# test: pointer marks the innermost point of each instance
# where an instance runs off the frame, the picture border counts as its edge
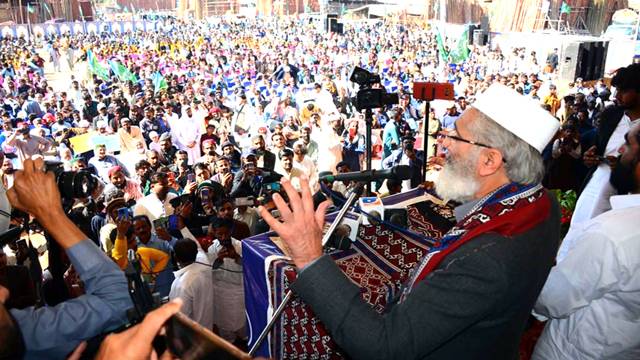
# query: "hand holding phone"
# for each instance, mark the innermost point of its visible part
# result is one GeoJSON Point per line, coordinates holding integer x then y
{"type": "Point", "coordinates": [189, 340]}
{"type": "Point", "coordinates": [124, 213]}
{"type": "Point", "coordinates": [162, 222]}
{"type": "Point", "coordinates": [135, 343]}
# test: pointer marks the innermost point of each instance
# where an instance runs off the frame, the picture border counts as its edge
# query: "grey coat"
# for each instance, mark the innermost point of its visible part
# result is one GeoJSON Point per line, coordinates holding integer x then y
{"type": "Point", "coordinates": [473, 306]}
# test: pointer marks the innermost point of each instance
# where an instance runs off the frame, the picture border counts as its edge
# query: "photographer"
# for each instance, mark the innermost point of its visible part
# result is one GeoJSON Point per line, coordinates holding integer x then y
{"type": "Point", "coordinates": [153, 249]}
{"type": "Point", "coordinates": [564, 166]}
{"type": "Point", "coordinates": [249, 180]}
{"type": "Point", "coordinates": [53, 332]}
{"type": "Point", "coordinates": [225, 209]}
{"type": "Point", "coordinates": [407, 155]}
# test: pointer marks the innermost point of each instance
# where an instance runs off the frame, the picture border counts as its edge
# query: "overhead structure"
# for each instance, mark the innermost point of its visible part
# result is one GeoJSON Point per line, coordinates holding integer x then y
{"type": "Point", "coordinates": [578, 16]}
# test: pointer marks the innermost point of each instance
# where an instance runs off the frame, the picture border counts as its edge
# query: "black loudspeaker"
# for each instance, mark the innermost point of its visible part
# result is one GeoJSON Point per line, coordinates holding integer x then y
{"type": "Point", "coordinates": [328, 20]}
{"type": "Point", "coordinates": [480, 38]}
{"type": "Point", "coordinates": [471, 31]}
{"type": "Point", "coordinates": [336, 27]}
{"type": "Point", "coordinates": [583, 59]}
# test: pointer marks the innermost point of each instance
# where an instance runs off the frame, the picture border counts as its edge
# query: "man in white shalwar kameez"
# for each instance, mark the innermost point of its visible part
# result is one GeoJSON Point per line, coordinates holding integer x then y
{"type": "Point", "coordinates": [188, 131]}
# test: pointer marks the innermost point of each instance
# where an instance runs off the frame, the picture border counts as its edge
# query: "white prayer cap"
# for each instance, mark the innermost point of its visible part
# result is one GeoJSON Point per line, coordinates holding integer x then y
{"type": "Point", "coordinates": [522, 116]}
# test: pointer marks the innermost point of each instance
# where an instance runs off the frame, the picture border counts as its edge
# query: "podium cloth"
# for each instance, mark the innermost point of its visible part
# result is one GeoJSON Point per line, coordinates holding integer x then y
{"type": "Point", "coordinates": [378, 261]}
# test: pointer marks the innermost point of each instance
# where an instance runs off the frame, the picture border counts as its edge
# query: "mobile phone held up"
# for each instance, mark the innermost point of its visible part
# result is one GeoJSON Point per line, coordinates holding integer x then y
{"type": "Point", "coordinates": [124, 213]}
{"type": "Point", "coordinates": [272, 187]}
{"type": "Point", "coordinates": [188, 340]}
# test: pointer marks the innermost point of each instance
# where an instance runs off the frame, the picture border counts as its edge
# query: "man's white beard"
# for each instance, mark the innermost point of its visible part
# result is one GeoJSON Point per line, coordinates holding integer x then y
{"type": "Point", "coordinates": [456, 180]}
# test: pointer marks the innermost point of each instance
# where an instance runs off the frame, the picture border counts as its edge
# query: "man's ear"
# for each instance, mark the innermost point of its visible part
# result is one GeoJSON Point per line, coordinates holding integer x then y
{"type": "Point", "coordinates": [490, 161]}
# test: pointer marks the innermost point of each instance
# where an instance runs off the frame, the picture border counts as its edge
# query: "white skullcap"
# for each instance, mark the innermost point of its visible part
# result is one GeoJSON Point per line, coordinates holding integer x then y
{"type": "Point", "coordinates": [520, 115]}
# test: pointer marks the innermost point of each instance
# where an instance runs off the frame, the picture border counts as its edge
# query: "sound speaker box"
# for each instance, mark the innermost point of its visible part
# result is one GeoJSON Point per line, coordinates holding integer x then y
{"type": "Point", "coordinates": [584, 59]}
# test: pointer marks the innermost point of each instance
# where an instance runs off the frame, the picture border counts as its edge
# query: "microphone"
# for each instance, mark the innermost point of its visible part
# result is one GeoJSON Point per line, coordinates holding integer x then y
{"type": "Point", "coordinates": [399, 172]}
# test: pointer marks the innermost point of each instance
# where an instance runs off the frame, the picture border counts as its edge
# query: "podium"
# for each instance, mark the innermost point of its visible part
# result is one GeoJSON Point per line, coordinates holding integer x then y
{"type": "Point", "coordinates": [378, 262]}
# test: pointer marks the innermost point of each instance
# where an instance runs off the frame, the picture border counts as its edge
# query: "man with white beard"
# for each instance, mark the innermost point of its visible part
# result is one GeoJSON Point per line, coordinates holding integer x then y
{"type": "Point", "coordinates": [471, 293]}
{"type": "Point", "coordinates": [187, 131]}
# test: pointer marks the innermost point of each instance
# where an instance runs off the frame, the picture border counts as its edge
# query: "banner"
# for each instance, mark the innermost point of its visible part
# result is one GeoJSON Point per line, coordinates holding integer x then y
{"type": "Point", "coordinates": [88, 141]}
{"type": "Point", "coordinates": [81, 143]}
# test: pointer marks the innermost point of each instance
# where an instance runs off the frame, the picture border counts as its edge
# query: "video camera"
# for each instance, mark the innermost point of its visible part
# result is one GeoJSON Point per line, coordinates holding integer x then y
{"type": "Point", "coordinates": [370, 97]}
{"type": "Point", "coordinates": [72, 185]}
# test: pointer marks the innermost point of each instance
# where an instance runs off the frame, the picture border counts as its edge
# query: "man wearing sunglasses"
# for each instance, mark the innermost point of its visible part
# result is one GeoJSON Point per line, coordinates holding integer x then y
{"type": "Point", "coordinates": [470, 295]}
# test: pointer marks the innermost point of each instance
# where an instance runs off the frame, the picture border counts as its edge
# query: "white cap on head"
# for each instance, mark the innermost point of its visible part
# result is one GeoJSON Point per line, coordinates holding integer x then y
{"type": "Point", "coordinates": [522, 116]}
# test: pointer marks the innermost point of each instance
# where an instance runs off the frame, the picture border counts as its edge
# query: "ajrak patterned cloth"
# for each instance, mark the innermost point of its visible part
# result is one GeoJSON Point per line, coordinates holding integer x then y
{"type": "Point", "coordinates": [378, 262]}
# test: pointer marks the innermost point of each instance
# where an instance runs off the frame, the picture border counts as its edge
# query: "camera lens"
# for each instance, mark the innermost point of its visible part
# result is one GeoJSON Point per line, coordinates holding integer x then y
{"type": "Point", "coordinates": [83, 184]}
{"type": "Point", "coordinates": [72, 185]}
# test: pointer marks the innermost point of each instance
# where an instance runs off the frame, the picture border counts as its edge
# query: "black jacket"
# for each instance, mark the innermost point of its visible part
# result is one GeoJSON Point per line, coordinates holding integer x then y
{"type": "Point", "coordinates": [269, 160]}
{"type": "Point", "coordinates": [473, 306]}
{"type": "Point", "coordinates": [609, 119]}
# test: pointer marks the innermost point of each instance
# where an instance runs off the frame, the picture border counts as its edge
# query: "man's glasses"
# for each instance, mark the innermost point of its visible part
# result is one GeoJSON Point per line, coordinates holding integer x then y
{"type": "Point", "coordinates": [452, 136]}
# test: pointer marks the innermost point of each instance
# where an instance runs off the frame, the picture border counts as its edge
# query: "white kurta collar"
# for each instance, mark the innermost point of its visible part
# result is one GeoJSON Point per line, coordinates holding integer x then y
{"type": "Point", "coordinates": [625, 201]}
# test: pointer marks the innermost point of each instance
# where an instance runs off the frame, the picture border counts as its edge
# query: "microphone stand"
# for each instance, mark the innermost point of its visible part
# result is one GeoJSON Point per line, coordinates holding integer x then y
{"type": "Point", "coordinates": [368, 120]}
{"type": "Point", "coordinates": [289, 295]}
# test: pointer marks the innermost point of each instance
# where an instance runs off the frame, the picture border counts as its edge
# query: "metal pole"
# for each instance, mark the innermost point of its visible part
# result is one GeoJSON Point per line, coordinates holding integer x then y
{"type": "Point", "coordinates": [368, 120]}
{"type": "Point", "coordinates": [425, 142]}
{"type": "Point", "coordinates": [21, 14]}
{"type": "Point", "coordinates": [289, 295]}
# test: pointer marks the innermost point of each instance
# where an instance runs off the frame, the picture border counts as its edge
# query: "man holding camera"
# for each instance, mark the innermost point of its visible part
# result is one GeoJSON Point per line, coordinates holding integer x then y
{"type": "Point", "coordinates": [53, 332]}
{"type": "Point", "coordinates": [407, 155]}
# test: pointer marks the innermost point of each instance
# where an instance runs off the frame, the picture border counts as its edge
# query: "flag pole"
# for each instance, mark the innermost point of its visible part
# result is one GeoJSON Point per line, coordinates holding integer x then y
{"type": "Point", "coordinates": [28, 22]}
{"type": "Point", "coordinates": [21, 13]}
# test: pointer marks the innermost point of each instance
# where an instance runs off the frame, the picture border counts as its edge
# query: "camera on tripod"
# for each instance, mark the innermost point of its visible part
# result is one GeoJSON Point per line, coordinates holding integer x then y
{"type": "Point", "coordinates": [371, 94]}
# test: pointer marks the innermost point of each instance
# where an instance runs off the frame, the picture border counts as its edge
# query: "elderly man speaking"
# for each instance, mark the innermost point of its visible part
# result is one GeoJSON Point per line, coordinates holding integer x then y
{"type": "Point", "coordinates": [470, 296]}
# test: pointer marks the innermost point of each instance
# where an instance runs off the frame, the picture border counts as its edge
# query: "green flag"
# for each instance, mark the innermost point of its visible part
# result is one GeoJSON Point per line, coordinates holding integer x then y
{"type": "Point", "coordinates": [444, 55]}
{"type": "Point", "coordinates": [95, 67]}
{"type": "Point", "coordinates": [461, 52]}
{"type": "Point", "coordinates": [30, 9]}
{"type": "Point", "coordinates": [159, 82]}
{"type": "Point", "coordinates": [122, 72]}
{"type": "Point", "coordinates": [565, 8]}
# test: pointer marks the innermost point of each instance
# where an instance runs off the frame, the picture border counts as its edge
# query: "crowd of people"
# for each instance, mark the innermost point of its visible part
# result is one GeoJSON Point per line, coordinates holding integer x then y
{"type": "Point", "coordinates": [186, 131]}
